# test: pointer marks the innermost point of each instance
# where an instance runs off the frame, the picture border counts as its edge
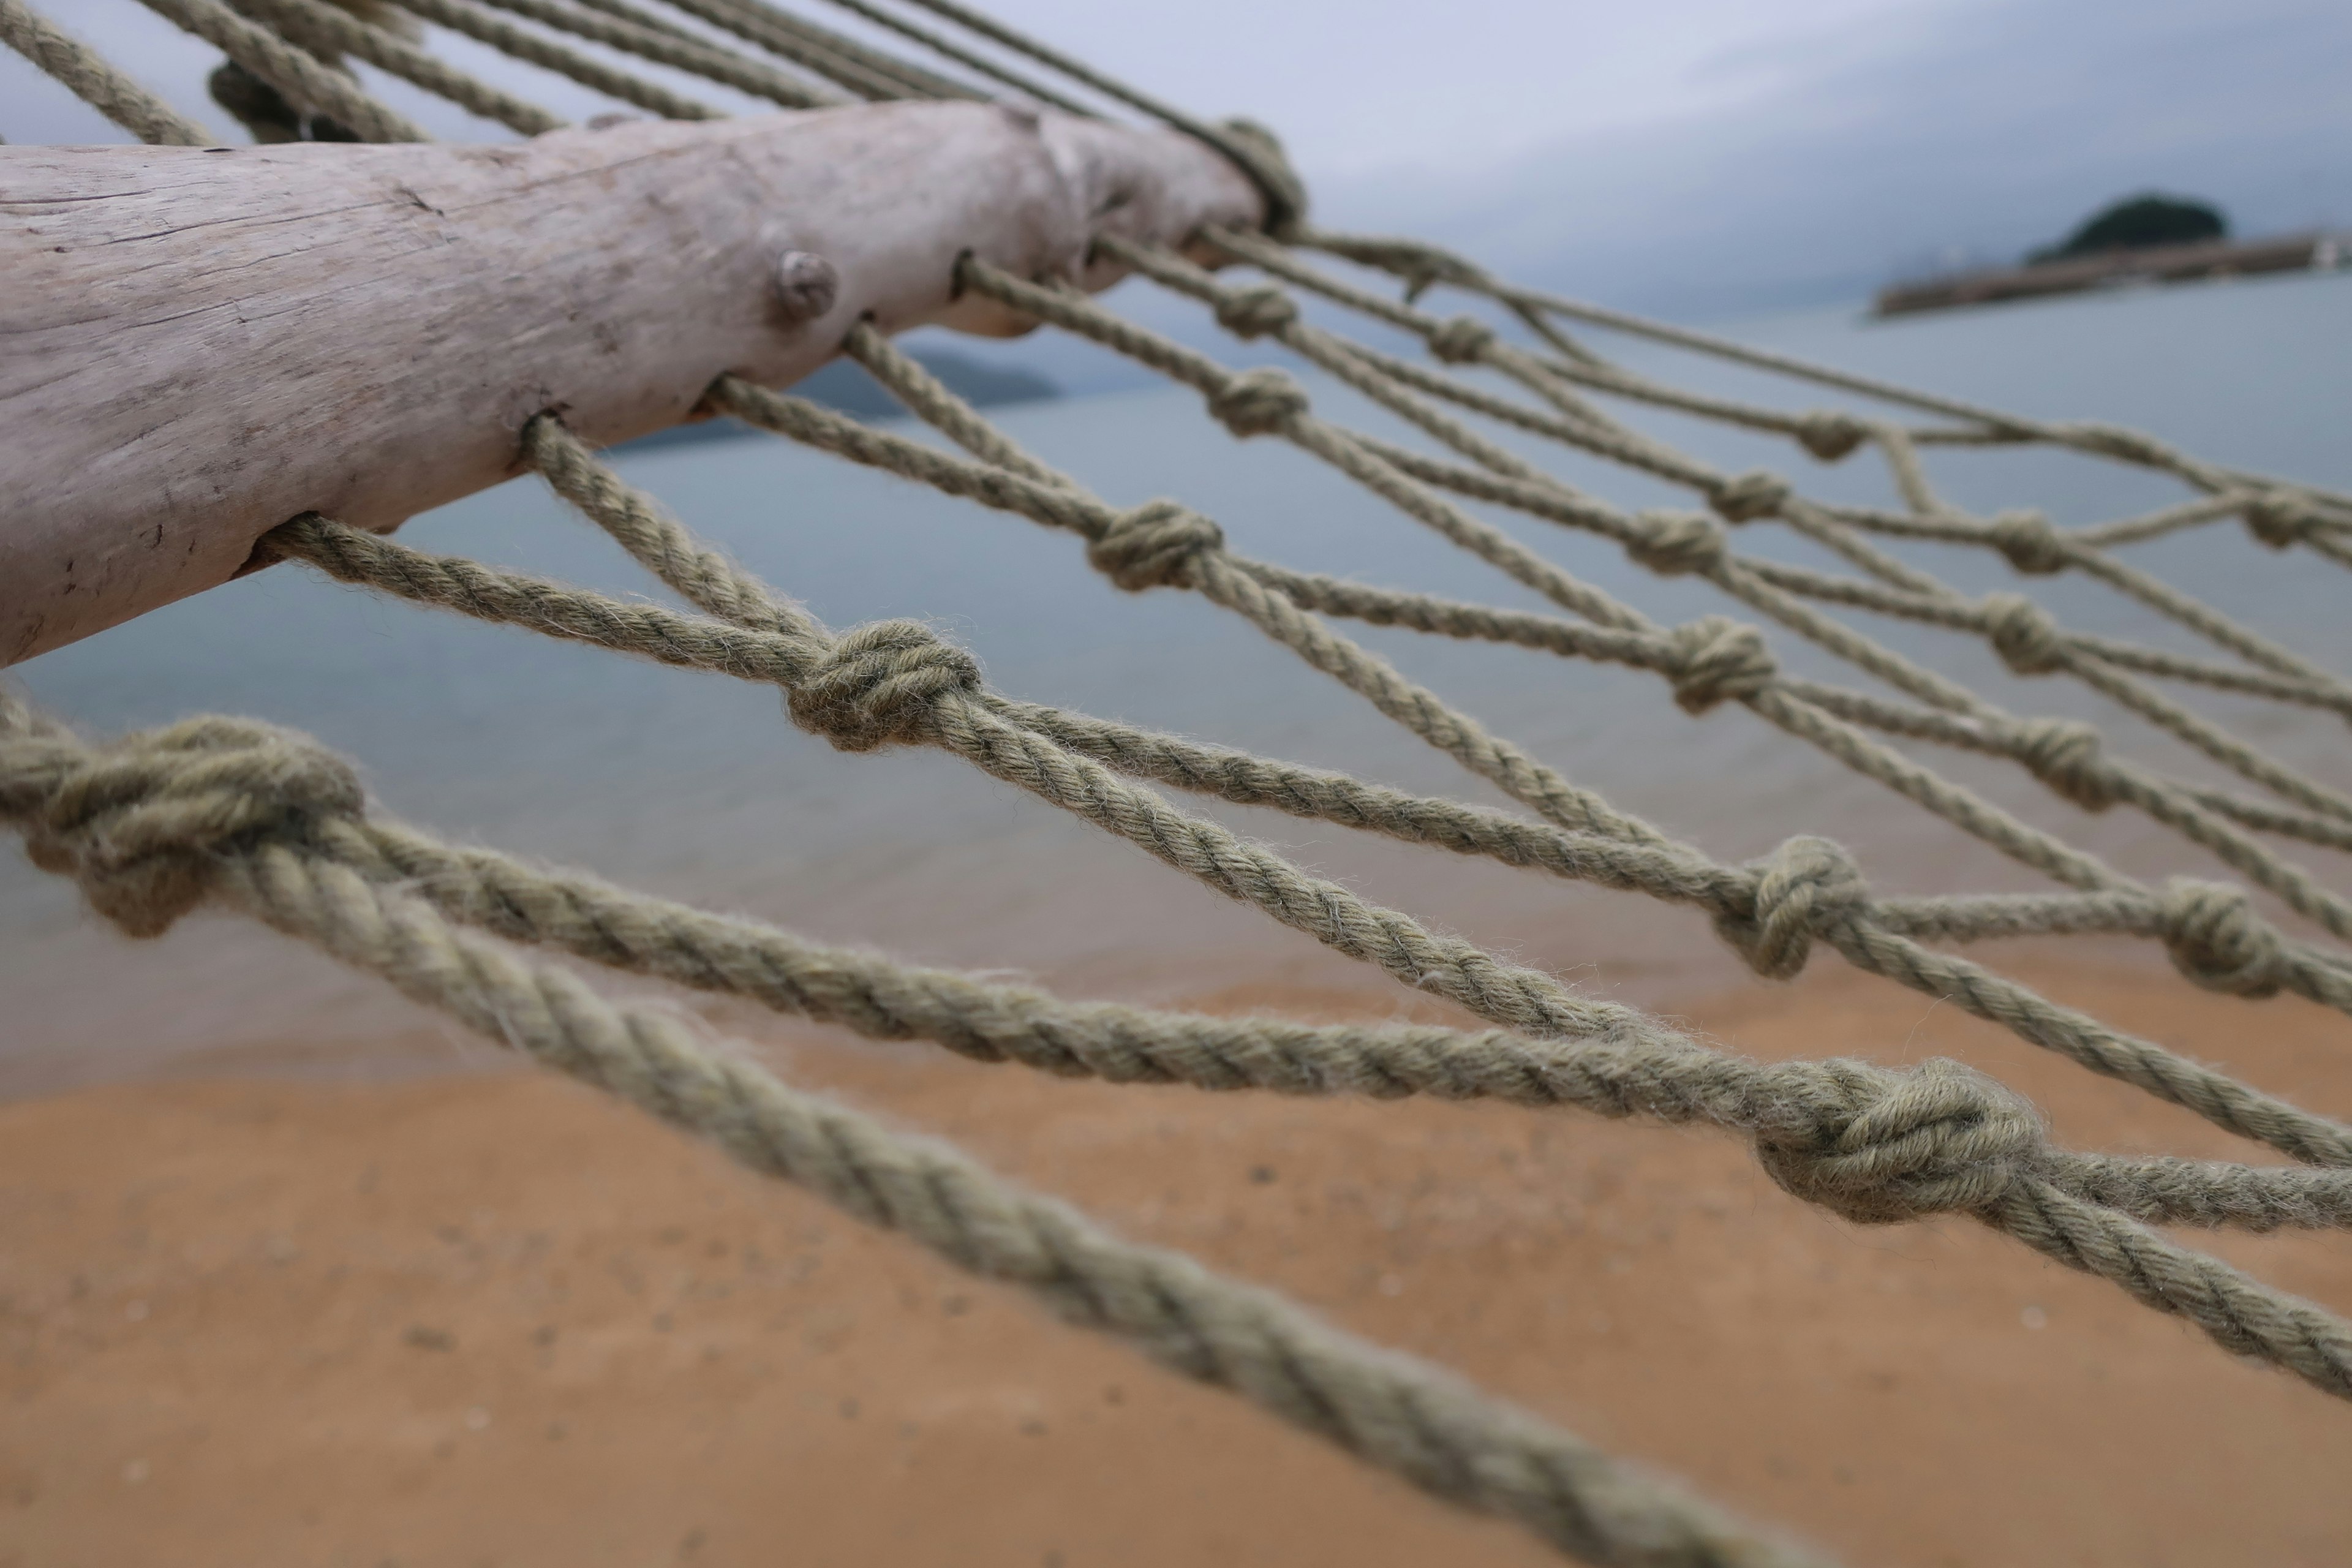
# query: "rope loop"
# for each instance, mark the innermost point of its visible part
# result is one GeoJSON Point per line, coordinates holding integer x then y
{"type": "Point", "coordinates": [1258, 311]}
{"type": "Point", "coordinates": [2032, 544]}
{"type": "Point", "coordinates": [143, 824]}
{"type": "Point", "coordinates": [1714, 658]}
{"type": "Point", "coordinates": [2215, 938]}
{"type": "Point", "coordinates": [1462, 340]}
{"type": "Point", "coordinates": [1154, 545]}
{"type": "Point", "coordinates": [1673, 543]}
{"type": "Point", "coordinates": [1257, 401]}
{"type": "Point", "coordinates": [2067, 754]}
{"type": "Point", "coordinates": [2022, 633]}
{"type": "Point", "coordinates": [1796, 891]}
{"type": "Point", "coordinates": [1746, 496]}
{"type": "Point", "coordinates": [878, 683]}
{"type": "Point", "coordinates": [1830, 434]}
{"type": "Point", "coordinates": [1879, 1145]}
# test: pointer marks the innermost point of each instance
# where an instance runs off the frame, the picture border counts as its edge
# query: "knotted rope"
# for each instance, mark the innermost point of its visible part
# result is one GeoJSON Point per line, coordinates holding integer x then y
{"type": "Point", "coordinates": [142, 825]}
{"type": "Point", "coordinates": [1880, 1147]}
{"type": "Point", "coordinates": [2216, 939]}
{"type": "Point", "coordinates": [1714, 659]}
{"type": "Point", "coordinates": [213, 807]}
{"type": "Point", "coordinates": [876, 685]}
{"type": "Point", "coordinates": [1257, 401]}
{"type": "Point", "coordinates": [1830, 434]}
{"type": "Point", "coordinates": [2032, 544]}
{"type": "Point", "coordinates": [1673, 543]}
{"type": "Point", "coordinates": [1803, 888]}
{"type": "Point", "coordinates": [1744, 497]}
{"type": "Point", "coordinates": [1155, 545]}
{"type": "Point", "coordinates": [2022, 633]}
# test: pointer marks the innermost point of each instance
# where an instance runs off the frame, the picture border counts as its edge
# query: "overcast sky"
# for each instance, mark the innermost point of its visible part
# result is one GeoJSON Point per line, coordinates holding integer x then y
{"type": "Point", "coordinates": [1702, 156]}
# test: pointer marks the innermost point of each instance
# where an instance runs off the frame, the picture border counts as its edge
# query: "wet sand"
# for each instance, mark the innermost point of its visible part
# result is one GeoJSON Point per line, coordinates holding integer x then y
{"type": "Point", "coordinates": [481, 1317]}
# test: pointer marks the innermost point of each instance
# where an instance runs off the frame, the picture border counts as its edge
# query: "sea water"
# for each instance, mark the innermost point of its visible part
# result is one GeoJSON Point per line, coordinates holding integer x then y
{"type": "Point", "coordinates": [695, 787]}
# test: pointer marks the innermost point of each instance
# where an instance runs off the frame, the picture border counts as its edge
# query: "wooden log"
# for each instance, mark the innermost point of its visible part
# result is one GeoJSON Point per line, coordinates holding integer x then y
{"type": "Point", "coordinates": [197, 344]}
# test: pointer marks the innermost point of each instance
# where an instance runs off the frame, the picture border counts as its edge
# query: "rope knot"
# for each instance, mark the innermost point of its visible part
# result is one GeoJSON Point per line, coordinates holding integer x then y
{"type": "Point", "coordinates": [1747, 496]}
{"type": "Point", "coordinates": [1259, 311]}
{"type": "Point", "coordinates": [1830, 434]}
{"type": "Point", "coordinates": [1463, 340]}
{"type": "Point", "coordinates": [2279, 519]}
{"type": "Point", "coordinates": [2032, 544]}
{"type": "Point", "coordinates": [1256, 402]}
{"type": "Point", "coordinates": [143, 824]}
{"type": "Point", "coordinates": [2022, 633]}
{"type": "Point", "coordinates": [877, 684]}
{"type": "Point", "coordinates": [2215, 938]}
{"type": "Point", "coordinates": [1879, 1146]}
{"type": "Point", "coordinates": [2065, 754]}
{"type": "Point", "coordinates": [1802, 887]}
{"type": "Point", "coordinates": [1154, 545]}
{"type": "Point", "coordinates": [1716, 658]}
{"type": "Point", "coordinates": [1676, 542]}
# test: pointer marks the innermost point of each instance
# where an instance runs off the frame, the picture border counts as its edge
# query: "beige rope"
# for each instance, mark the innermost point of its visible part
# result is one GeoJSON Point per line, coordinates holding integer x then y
{"type": "Point", "coordinates": [625, 29]}
{"type": "Point", "coordinates": [153, 832]}
{"type": "Point", "coordinates": [329, 30]}
{"type": "Point", "coordinates": [217, 807]}
{"type": "Point", "coordinates": [307, 82]}
{"type": "Point", "coordinates": [785, 36]}
{"type": "Point", "coordinates": [465, 16]}
{"type": "Point", "coordinates": [86, 74]}
{"type": "Point", "coordinates": [1667, 542]}
{"type": "Point", "coordinates": [1058, 502]}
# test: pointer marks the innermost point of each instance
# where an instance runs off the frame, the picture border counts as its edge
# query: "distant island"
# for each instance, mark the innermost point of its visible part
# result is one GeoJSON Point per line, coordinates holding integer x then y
{"type": "Point", "coordinates": [843, 385]}
{"type": "Point", "coordinates": [2145, 239]}
{"type": "Point", "coordinates": [2136, 223]}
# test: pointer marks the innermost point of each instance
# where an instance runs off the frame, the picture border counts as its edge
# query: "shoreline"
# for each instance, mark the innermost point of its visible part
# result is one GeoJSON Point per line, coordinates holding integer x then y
{"type": "Point", "coordinates": [491, 1316]}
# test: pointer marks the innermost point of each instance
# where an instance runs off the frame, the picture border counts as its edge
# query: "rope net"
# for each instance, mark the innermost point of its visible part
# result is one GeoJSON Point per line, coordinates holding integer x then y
{"type": "Point", "coordinates": [264, 821]}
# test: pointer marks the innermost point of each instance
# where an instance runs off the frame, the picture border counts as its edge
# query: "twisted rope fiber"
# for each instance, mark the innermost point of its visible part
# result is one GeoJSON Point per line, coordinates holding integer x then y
{"type": "Point", "coordinates": [307, 82]}
{"type": "Point", "coordinates": [521, 44]}
{"type": "Point", "coordinates": [625, 29]}
{"type": "Point", "coordinates": [2064, 758]}
{"type": "Point", "coordinates": [787, 36]}
{"type": "Point", "coordinates": [1422, 266]}
{"type": "Point", "coordinates": [2029, 540]}
{"type": "Point", "coordinates": [2038, 650]}
{"type": "Point", "coordinates": [85, 73]}
{"type": "Point", "coordinates": [328, 31]}
{"type": "Point", "coordinates": [1735, 664]}
{"type": "Point", "coordinates": [919, 81]}
{"type": "Point", "coordinates": [716, 586]}
{"type": "Point", "coordinates": [215, 807]}
{"type": "Point", "coordinates": [1059, 503]}
{"type": "Point", "coordinates": [880, 685]}
{"type": "Point", "coordinates": [211, 806]}
{"type": "Point", "coordinates": [119, 818]}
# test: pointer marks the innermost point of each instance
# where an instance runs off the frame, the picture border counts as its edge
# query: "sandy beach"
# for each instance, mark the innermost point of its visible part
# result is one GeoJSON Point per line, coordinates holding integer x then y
{"type": "Point", "coordinates": [489, 1318]}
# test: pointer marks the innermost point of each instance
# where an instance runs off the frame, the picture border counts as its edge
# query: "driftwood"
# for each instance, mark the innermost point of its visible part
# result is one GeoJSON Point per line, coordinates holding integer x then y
{"type": "Point", "coordinates": [201, 342]}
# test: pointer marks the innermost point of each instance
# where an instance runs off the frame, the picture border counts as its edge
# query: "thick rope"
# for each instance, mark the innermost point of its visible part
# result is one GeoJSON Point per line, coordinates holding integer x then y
{"type": "Point", "coordinates": [223, 809]}
{"type": "Point", "coordinates": [1053, 499]}
{"type": "Point", "coordinates": [520, 43]}
{"type": "Point", "coordinates": [306, 81]}
{"type": "Point", "coordinates": [328, 31]}
{"type": "Point", "coordinates": [85, 73]}
{"type": "Point", "coordinates": [623, 28]}
{"type": "Point", "coordinates": [2061, 770]}
{"type": "Point", "coordinates": [217, 807]}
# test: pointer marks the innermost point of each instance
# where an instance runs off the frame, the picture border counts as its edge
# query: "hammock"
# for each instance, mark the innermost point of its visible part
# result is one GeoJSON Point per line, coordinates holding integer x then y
{"type": "Point", "coordinates": [237, 813]}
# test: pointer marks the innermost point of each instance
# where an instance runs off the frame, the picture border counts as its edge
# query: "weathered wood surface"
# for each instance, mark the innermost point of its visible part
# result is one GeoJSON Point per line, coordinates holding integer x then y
{"type": "Point", "coordinates": [196, 345]}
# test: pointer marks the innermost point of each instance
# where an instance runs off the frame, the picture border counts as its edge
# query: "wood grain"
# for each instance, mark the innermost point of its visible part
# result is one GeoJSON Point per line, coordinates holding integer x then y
{"type": "Point", "coordinates": [197, 344]}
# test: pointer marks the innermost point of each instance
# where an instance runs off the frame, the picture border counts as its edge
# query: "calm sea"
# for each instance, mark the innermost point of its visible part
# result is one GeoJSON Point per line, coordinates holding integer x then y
{"type": "Point", "coordinates": [695, 787]}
